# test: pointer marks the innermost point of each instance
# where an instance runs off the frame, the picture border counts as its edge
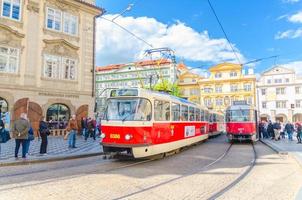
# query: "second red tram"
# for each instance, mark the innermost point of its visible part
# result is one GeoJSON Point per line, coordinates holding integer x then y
{"type": "Point", "coordinates": [142, 123]}
{"type": "Point", "coordinates": [241, 122]}
{"type": "Point", "coordinates": [216, 123]}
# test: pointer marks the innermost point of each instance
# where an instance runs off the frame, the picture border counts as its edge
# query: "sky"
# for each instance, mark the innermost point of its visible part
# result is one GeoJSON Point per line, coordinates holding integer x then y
{"type": "Point", "coordinates": [256, 29]}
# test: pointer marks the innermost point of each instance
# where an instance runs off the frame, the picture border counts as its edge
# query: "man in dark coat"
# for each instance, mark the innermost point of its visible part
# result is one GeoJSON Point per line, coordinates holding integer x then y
{"type": "Point", "coordinates": [20, 133]}
{"type": "Point", "coordinates": [289, 129]}
{"type": "Point", "coordinates": [270, 130]}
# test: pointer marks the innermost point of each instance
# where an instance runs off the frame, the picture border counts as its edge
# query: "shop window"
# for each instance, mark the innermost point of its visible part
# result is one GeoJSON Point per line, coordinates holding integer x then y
{"type": "Point", "coordinates": [58, 115]}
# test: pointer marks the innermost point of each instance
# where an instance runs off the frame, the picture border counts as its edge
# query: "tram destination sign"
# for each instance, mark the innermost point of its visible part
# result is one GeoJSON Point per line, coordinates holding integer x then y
{"type": "Point", "coordinates": [241, 102]}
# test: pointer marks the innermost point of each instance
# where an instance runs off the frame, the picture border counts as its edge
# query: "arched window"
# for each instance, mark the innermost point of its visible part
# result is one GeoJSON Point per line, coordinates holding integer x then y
{"type": "Point", "coordinates": [58, 115]}
{"type": "Point", "coordinates": [3, 106]}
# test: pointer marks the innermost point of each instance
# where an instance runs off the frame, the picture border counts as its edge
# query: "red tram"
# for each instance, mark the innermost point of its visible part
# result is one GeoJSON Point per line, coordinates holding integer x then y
{"type": "Point", "coordinates": [143, 123]}
{"type": "Point", "coordinates": [216, 123]}
{"type": "Point", "coordinates": [241, 122]}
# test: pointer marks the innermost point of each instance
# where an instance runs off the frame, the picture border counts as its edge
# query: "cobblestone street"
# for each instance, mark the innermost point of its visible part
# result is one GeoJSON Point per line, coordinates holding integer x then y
{"type": "Point", "coordinates": [57, 146]}
{"type": "Point", "coordinates": [196, 173]}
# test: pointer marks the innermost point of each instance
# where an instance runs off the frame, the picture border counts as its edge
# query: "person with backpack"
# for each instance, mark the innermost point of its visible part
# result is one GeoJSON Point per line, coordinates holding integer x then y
{"type": "Point", "coordinates": [91, 128]}
{"type": "Point", "coordinates": [270, 130]}
{"type": "Point", "coordinates": [44, 132]}
{"type": "Point", "coordinates": [277, 129]}
{"type": "Point", "coordinates": [289, 129]}
{"type": "Point", "coordinates": [4, 134]}
{"type": "Point", "coordinates": [20, 132]}
{"type": "Point", "coordinates": [299, 132]}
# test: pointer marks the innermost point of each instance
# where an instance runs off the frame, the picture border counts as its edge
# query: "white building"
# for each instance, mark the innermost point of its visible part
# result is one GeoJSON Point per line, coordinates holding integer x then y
{"type": "Point", "coordinates": [137, 74]}
{"type": "Point", "coordinates": [279, 95]}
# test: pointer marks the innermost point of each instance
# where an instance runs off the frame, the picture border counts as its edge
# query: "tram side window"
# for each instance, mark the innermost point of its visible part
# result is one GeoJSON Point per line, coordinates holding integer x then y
{"type": "Point", "coordinates": [191, 114]}
{"type": "Point", "coordinates": [197, 114]}
{"type": "Point", "coordinates": [206, 115]}
{"type": "Point", "coordinates": [184, 113]}
{"type": "Point", "coordinates": [161, 110]}
{"type": "Point", "coordinates": [202, 117]}
{"type": "Point", "coordinates": [175, 112]}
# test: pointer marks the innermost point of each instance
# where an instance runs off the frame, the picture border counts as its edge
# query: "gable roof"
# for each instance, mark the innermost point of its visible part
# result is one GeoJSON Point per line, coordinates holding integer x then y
{"type": "Point", "coordinates": [136, 64]}
{"type": "Point", "coordinates": [278, 70]}
{"type": "Point", "coordinates": [225, 67]}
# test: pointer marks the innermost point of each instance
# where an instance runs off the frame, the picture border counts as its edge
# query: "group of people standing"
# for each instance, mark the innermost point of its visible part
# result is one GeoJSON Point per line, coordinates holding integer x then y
{"type": "Point", "coordinates": [23, 133]}
{"type": "Point", "coordinates": [278, 130]}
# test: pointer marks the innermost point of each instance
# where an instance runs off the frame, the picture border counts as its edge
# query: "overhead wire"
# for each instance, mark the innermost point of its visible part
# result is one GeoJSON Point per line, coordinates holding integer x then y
{"type": "Point", "coordinates": [224, 32]}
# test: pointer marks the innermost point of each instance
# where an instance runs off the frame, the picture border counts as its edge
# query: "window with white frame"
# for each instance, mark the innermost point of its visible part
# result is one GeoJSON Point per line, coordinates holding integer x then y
{"type": "Point", "coordinates": [264, 104]}
{"type": "Point", "coordinates": [218, 89]}
{"type": "Point", "coordinates": [207, 90]}
{"type": "Point", "coordinates": [218, 75]}
{"type": "Point", "coordinates": [298, 90]}
{"type": "Point", "coordinates": [61, 21]}
{"type": "Point", "coordinates": [57, 67]}
{"type": "Point", "coordinates": [298, 103]}
{"type": "Point", "coordinates": [207, 101]}
{"type": "Point", "coordinates": [233, 74]}
{"type": "Point", "coordinates": [247, 87]}
{"type": "Point", "coordinates": [234, 88]}
{"type": "Point", "coordinates": [54, 19]}
{"type": "Point", "coordinates": [11, 9]}
{"type": "Point", "coordinates": [9, 59]}
{"type": "Point", "coordinates": [263, 91]}
{"type": "Point", "coordinates": [70, 24]}
{"type": "Point", "coordinates": [219, 102]}
{"type": "Point", "coordinates": [280, 104]}
{"type": "Point", "coordinates": [280, 90]}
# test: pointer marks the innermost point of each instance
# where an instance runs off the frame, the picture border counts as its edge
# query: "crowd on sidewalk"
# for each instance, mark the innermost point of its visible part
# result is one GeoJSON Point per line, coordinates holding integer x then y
{"type": "Point", "coordinates": [277, 130]}
{"type": "Point", "coordinates": [23, 133]}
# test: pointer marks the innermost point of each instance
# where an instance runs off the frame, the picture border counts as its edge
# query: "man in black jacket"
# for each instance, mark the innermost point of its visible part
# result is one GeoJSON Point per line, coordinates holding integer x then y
{"type": "Point", "coordinates": [270, 130]}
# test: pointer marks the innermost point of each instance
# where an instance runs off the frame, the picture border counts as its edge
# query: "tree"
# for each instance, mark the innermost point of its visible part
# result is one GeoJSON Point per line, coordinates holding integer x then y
{"type": "Point", "coordinates": [168, 87]}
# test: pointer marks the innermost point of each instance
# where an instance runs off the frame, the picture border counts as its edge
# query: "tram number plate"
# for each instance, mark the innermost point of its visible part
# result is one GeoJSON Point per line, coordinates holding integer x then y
{"type": "Point", "coordinates": [115, 136]}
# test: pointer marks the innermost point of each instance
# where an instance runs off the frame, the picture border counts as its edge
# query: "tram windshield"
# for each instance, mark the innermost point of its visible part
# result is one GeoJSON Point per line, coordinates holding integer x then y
{"type": "Point", "coordinates": [128, 109]}
{"type": "Point", "coordinates": [239, 115]}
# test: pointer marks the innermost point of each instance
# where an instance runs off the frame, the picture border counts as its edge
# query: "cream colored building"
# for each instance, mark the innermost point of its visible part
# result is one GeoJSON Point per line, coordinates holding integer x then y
{"type": "Point", "coordinates": [47, 57]}
{"type": "Point", "coordinates": [228, 83]}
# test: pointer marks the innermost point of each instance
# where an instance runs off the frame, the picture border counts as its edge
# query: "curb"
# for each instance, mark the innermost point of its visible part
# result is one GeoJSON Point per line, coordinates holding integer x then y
{"type": "Point", "coordinates": [282, 152]}
{"type": "Point", "coordinates": [46, 160]}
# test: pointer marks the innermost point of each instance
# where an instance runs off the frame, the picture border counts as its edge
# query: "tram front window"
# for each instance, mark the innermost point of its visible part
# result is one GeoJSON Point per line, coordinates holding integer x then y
{"type": "Point", "coordinates": [132, 109]}
{"type": "Point", "coordinates": [239, 115]}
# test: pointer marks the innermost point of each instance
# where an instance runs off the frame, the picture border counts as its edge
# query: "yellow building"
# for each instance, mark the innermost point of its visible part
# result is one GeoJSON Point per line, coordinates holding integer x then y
{"type": "Point", "coordinates": [188, 84]}
{"type": "Point", "coordinates": [227, 83]}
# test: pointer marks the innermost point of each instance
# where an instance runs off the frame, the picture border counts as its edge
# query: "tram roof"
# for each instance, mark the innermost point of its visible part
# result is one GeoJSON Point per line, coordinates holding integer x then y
{"type": "Point", "coordinates": [163, 95]}
{"type": "Point", "coordinates": [240, 107]}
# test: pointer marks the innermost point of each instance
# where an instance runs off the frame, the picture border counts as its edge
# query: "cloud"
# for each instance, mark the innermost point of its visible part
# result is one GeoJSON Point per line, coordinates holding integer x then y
{"type": "Point", "coordinates": [296, 65]}
{"type": "Point", "coordinates": [291, 34]}
{"type": "Point", "coordinates": [114, 45]}
{"type": "Point", "coordinates": [296, 18]}
{"type": "Point", "coordinates": [290, 1]}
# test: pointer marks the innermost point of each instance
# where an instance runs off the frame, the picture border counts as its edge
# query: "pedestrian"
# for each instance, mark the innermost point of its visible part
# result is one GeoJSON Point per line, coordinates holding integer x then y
{"type": "Point", "coordinates": [29, 139]}
{"type": "Point", "coordinates": [270, 129]}
{"type": "Point", "coordinates": [260, 129]}
{"type": "Point", "coordinates": [20, 132]}
{"type": "Point", "coordinates": [4, 134]}
{"type": "Point", "coordinates": [72, 128]}
{"type": "Point", "coordinates": [277, 129]}
{"type": "Point", "coordinates": [265, 133]}
{"type": "Point", "coordinates": [44, 132]}
{"type": "Point", "coordinates": [289, 129]}
{"type": "Point", "coordinates": [91, 129]}
{"type": "Point", "coordinates": [299, 132]}
{"type": "Point", "coordinates": [84, 126]}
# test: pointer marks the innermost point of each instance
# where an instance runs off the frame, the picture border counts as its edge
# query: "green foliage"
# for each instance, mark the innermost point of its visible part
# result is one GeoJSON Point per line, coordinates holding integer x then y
{"type": "Point", "coordinates": [168, 87]}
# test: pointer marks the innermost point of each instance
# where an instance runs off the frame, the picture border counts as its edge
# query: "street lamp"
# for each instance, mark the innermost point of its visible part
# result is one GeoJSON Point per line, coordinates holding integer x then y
{"type": "Point", "coordinates": [126, 10]}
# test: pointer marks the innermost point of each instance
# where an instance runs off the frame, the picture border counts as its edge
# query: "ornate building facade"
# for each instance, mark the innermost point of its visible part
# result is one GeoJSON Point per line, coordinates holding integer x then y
{"type": "Point", "coordinates": [227, 83]}
{"type": "Point", "coordinates": [47, 58]}
{"type": "Point", "coordinates": [189, 86]}
{"type": "Point", "coordinates": [279, 93]}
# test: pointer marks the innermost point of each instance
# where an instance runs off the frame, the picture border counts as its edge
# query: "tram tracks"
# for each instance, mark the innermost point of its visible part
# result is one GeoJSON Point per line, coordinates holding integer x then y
{"type": "Point", "coordinates": [237, 180]}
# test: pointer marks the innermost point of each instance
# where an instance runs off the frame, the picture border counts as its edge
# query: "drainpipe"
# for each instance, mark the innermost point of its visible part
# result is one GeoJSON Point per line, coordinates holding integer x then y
{"type": "Point", "coordinates": [94, 57]}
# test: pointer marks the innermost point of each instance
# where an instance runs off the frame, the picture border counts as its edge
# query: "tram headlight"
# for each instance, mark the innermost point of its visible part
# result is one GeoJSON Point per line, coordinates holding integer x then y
{"type": "Point", "coordinates": [103, 135]}
{"type": "Point", "coordinates": [128, 136]}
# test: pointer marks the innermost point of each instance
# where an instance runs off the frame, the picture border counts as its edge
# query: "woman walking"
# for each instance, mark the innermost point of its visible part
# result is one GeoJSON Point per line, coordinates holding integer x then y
{"type": "Point", "coordinates": [44, 132]}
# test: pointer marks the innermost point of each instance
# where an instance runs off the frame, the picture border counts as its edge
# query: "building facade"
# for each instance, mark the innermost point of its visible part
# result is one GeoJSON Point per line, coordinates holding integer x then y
{"type": "Point", "coordinates": [279, 93]}
{"type": "Point", "coordinates": [227, 83]}
{"type": "Point", "coordinates": [189, 86]}
{"type": "Point", "coordinates": [138, 74]}
{"type": "Point", "coordinates": [47, 58]}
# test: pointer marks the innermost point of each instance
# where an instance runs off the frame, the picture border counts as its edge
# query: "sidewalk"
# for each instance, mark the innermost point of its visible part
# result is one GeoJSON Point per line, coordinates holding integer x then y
{"type": "Point", "coordinates": [57, 149]}
{"type": "Point", "coordinates": [284, 146]}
